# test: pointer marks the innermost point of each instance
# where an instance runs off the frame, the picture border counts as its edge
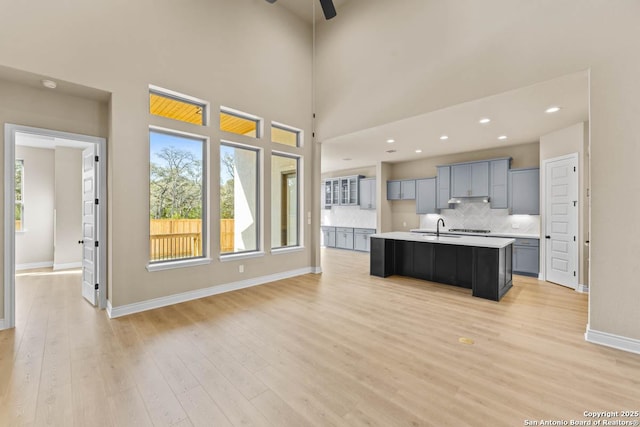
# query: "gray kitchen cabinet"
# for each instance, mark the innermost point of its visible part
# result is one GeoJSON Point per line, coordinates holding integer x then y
{"type": "Point", "coordinates": [329, 237]}
{"type": "Point", "coordinates": [498, 183]}
{"type": "Point", "coordinates": [362, 239]}
{"type": "Point", "coordinates": [443, 184]}
{"type": "Point", "coordinates": [524, 191]}
{"type": "Point", "coordinates": [470, 179]}
{"type": "Point", "coordinates": [426, 196]}
{"type": "Point", "coordinates": [401, 189]}
{"type": "Point", "coordinates": [368, 193]}
{"type": "Point", "coordinates": [344, 238]}
{"type": "Point", "coordinates": [349, 190]}
{"type": "Point", "coordinates": [526, 253]}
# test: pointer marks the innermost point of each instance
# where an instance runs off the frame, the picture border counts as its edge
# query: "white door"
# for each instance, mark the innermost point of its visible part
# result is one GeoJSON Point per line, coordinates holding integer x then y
{"type": "Point", "coordinates": [561, 223]}
{"type": "Point", "coordinates": [89, 229]}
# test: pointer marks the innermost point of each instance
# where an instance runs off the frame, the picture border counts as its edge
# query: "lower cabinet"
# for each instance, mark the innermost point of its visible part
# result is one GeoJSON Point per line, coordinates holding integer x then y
{"type": "Point", "coordinates": [358, 239]}
{"type": "Point", "coordinates": [362, 239]}
{"type": "Point", "coordinates": [344, 238]}
{"type": "Point", "coordinates": [526, 257]}
{"type": "Point", "coordinates": [329, 237]}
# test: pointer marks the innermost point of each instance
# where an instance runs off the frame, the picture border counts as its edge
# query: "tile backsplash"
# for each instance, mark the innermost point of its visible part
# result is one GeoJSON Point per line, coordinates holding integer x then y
{"type": "Point", "coordinates": [349, 216]}
{"type": "Point", "coordinates": [480, 216]}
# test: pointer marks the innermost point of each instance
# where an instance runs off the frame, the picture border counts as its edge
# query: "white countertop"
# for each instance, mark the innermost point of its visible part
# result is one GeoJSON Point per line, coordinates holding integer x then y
{"type": "Point", "coordinates": [492, 234]}
{"type": "Point", "coordinates": [481, 242]}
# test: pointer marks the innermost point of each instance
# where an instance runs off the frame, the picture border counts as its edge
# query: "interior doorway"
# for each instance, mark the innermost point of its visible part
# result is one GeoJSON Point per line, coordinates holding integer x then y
{"type": "Point", "coordinates": [561, 220]}
{"type": "Point", "coordinates": [74, 235]}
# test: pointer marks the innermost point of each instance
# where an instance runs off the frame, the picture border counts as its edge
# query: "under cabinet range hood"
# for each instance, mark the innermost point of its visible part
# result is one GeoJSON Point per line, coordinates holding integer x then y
{"type": "Point", "coordinates": [458, 200]}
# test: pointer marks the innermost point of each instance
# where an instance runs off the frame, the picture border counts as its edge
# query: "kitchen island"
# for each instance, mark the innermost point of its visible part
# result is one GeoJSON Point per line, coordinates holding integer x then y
{"type": "Point", "coordinates": [482, 264]}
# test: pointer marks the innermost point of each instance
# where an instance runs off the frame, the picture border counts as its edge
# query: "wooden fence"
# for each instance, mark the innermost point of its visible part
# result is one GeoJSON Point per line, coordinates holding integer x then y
{"type": "Point", "coordinates": [182, 238]}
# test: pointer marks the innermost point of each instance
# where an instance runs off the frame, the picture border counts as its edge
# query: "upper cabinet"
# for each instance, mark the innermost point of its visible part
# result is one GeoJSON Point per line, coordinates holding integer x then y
{"type": "Point", "coordinates": [401, 189]}
{"type": "Point", "coordinates": [426, 196]}
{"type": "Point", "coordinates": [498, 180]}
{"type": "Point", "coordinates": [341, 191]}
{"type": "Point", "coordinates": [443, 184]}
{"type": "Point", "coordinates": [368, 193]}
{"type": "Point", "coordinates": [524, 191]}
{"type": "Point", "coordinates": [470, 179]}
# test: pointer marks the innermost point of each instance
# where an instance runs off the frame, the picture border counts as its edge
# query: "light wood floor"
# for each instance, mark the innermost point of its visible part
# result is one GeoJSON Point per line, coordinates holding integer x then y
{"type": "Point", "coordinates": [342, 348]}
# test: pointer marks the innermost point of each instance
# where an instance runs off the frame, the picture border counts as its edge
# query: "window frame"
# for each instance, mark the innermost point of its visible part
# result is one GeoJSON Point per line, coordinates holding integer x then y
{"type": "Point", "coordinates": [259, 121]}
{"type": "Point", "coordinates": [204, 258]}
{"type": "Point", "coordinates": [177, 96]}
{"type": "Point", "coordinates": [299, 202]}
{"type": "Point", "coordinates": [20, 202]}
{"type": "Point", "coordinates": [258, 251]}
{"type": "Point", "coordinates": [299, 134]}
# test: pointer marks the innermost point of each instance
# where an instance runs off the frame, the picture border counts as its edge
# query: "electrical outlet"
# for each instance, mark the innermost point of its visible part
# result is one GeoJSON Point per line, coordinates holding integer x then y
{"type": "Point", "coordinates": [514, 225]}
{"type": "Point", "coordinates": [241, 268]}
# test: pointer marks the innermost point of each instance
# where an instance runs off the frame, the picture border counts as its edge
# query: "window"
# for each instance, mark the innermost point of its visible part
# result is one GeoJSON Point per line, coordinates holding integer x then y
{"type": "Point", "coordinates": [176, 195]}
{"type": "Point", "coordinates": [239, 216]}
{"type": "Point", "coordinates": [286, 135]}
{"type": "Point", "coordinates": [239, 123]}
{"type": "Point", "coordinates": [19, 202]}
{"type": "Point", "coordinates": [284, 201]}
{"type": "Point", "coordinates": [172, 105]}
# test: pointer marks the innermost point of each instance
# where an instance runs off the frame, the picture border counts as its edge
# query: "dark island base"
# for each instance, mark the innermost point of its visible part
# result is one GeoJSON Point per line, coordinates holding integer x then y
{"type": "Point", "coordinates": [486, 271]}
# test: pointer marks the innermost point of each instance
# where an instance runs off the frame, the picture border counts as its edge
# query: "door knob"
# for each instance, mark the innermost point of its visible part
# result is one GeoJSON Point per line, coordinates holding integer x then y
{"type": "Point", "coordinates": [80, 242]}
{"type": "Point", "coordinates": [547, 237]}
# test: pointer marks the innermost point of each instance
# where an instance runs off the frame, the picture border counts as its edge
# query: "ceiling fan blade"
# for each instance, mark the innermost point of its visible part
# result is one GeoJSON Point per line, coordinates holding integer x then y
{"type": "Point", "coordinates": [328, 8]}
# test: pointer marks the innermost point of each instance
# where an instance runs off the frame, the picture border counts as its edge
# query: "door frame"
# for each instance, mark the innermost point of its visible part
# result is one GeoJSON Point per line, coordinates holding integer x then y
{"type": "Point", "coordinates": [543, 217]}
{"type": "Point", "coordinates": [10, 131]}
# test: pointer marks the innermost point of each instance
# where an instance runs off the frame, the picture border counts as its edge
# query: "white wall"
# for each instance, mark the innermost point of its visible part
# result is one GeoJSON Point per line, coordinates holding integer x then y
{"type": "Point", "coordinates": [34, 245]}
{"type": "Point", "coordinates": [382, 61]}
{"type": "Point", "coordinates": [68, 205]}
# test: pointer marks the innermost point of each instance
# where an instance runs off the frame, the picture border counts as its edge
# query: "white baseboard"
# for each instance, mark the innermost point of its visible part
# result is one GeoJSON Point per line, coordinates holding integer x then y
{"type": "Point", "coordinates": [32, 265]}
{"type": "Point", "coordinates": [540, 277]}
{"type": "Point", "coordinates": [582, 288]}
{"type": "Point", "coordinates": [316, 270]}
{"type": "Point", "coordinates": [2, 324]}
{"type": "Point", "coordinates": [610, 340]}
{"type": "Point", "coordinates": [67, 265]}
{"type": "Point", "coordinates": [138, 307]}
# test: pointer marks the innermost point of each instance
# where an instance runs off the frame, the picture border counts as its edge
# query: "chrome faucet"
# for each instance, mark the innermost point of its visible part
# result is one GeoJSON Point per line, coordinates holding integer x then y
{"type": "Point", "coordinates": [438, 226]}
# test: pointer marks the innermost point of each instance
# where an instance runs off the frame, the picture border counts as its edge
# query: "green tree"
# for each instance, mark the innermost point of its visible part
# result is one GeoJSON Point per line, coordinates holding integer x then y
{"type": "Point", "coordinates": [176, 185]}
{"type": "Point", "coordinates": [226, 189]}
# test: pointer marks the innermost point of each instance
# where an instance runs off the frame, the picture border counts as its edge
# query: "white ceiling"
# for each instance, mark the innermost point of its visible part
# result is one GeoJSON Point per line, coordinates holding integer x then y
{"type": "Point", "coordinates": [48, 142]}
{"type": "Point", "coordinates": [519, 114]}
{"type": "Point", "coordinates": [304, 8]}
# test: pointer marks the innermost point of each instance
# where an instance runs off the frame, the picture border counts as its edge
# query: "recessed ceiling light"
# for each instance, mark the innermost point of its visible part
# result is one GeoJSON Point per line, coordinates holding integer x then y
{"type": "Point", "coordinates": [49, 84]}
{"type": "Point", "coordinates": [444, 137]}
{"type": "Point", "coordinates": [390, 141]}
{"type": "Point", "coordinates": [553, 109]}
{"type": "Point", "coordinates": [502, 137]}
{"type": "Point", "coordinates": [418, 151]}
{"type": "Point", "coordinates": [484, 120]}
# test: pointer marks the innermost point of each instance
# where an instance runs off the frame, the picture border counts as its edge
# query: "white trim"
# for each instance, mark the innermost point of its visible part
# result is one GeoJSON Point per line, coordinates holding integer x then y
{"type": "Point", "coordinates": [584, 289]}
{"type": "Point", "coordinates": [611, 340]}
{"type": "Point", "coordinates": [170, 265]}
{"type": "Point", "coordinates": [67, 265]}
{"type": "Point", "coordinates": [241, 255]}
{"type": "Point", "coordinates": [540, 276]}
{"type": "Point", "coordinates": [316, 270]}
{"type": "Point", "coordinates": [2, 325]}
{"type": "Point", "coordinates": [32, 265]}
{"type": "Point", "coordinates": [286, 250]}
{"type": "Point", "coordinates": [138, 307]}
